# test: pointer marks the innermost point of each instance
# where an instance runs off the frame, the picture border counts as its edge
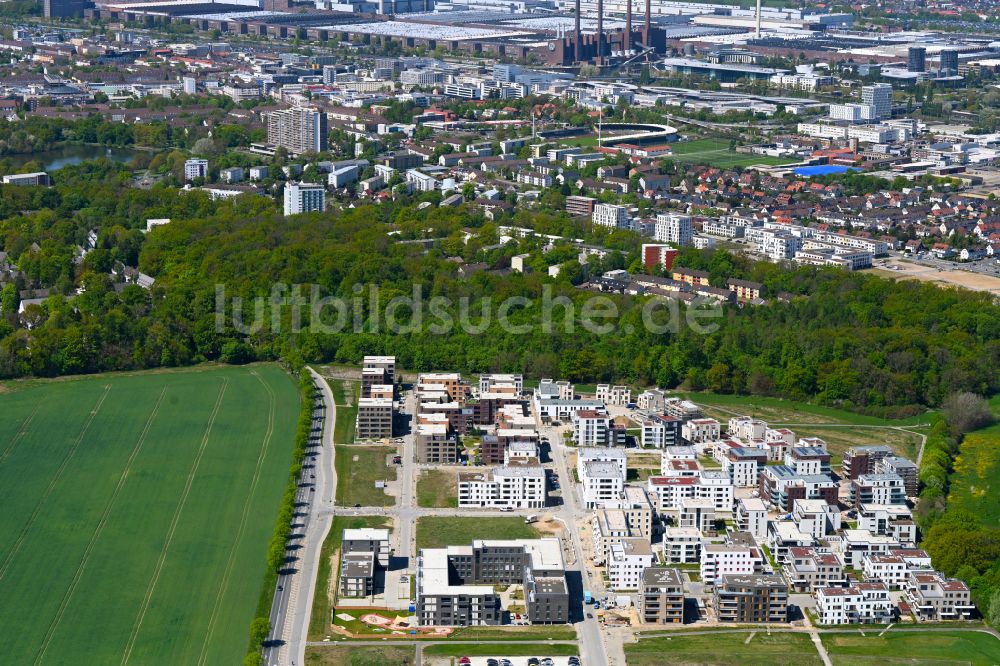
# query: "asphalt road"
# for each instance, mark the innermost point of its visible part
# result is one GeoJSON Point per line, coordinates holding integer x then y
{"type": "Point", "coordinates": [296, 585]}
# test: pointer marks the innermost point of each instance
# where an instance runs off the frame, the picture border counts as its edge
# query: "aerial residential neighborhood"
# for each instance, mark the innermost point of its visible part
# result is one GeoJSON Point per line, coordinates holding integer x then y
{"type": "Point", "coordinates": [500, 332]}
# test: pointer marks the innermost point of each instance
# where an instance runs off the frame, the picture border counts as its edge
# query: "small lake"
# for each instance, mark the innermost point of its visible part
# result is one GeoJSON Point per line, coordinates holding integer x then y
{"type": "Point", "coordinates": [57, 158]}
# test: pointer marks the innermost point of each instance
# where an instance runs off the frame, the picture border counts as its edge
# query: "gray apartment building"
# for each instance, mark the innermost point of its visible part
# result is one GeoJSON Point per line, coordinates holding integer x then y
{"type": "Point", "coordinates": [751, 598]}
{"type": "Point", "coordinates": [364, 559]}
{"type": "Point", "coordinates": [436, 445]}
{"type": "Point", "coordinates": [374, 418]}
{"type": "Point", "coordinates": [661, 596]}
{"type": "Point", "coordinates": [455, 585]}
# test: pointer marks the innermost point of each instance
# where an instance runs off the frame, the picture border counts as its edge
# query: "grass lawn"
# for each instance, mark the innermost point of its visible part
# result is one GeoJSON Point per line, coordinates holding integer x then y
{"type": "Point", "coordinates": [724, 649]}
{"type": "Point", "coordinates": [358, 468]}
{"type": "Point", "coordinates": [974, 483]}
{"type": "Point", "coordinates": [716, 152]}
{"type": "Point", "coordinates": [502, 650]}
{"type": "Point", "coordinates": [344, 655]}
{"type": "Point", "coordinates": [778, 411]}
{"type": "Point", "coordinates": [345, 396]}
{"type": "Point", "coordinates": [437, 488]}
{"type": "Point", "coordinates": [328, 566]}
{"type": "Point", "coordinates": [439, 531]}
{"type": "Point", "coordinates": [137, 510]}
{"type": "Point", "coordinates": [535, 632]}
{"type": "Point", "coordinates": [924, 648]}
{"type": "Point", "coordinates": [838, 440]}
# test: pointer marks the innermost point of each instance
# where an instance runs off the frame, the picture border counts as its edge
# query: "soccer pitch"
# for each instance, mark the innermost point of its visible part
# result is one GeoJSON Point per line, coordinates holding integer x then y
{"type": "Point", "coordinates": [136, 511]}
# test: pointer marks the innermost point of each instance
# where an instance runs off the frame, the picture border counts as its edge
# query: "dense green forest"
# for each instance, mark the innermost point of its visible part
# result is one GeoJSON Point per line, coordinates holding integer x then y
{"type": "Point", "coordinates": [844, 338]}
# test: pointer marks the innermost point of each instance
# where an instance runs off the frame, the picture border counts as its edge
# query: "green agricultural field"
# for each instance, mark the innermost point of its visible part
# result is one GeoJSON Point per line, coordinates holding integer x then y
{"type": "Point", "coordinates": [137, 510]}
{"type": "Point", "coordinates": [974, 483]}
{"type": "Point", "coordinates": [924, 648]}
{"type": "Point", "coordinates": [724, 649]}
{"type": "Point", "coordinates": [438, 531]}
{"type": "Point", "coordinates": [358, 468]}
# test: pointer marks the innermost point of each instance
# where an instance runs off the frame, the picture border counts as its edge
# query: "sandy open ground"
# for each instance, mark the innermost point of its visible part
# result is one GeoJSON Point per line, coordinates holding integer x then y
{"type": "Point", "coordinates": [967, 279]}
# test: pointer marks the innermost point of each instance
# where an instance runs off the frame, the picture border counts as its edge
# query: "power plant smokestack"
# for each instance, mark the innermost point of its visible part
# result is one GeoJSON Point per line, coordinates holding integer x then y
{"type": "Point", "coordinates": [627, 45]}
{"type": "Point", "coordinates": [600, 32]}
{"type": "Point", "coordinates": [758, 19]}
{"type": "Point", "coordinates": [577, 31]}
{"type": "Point", "coordinates": [649, 12]}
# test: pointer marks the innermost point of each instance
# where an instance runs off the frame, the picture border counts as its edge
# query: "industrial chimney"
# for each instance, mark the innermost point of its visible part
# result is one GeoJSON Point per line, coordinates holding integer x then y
{"type": "Point", "coordinates": [576, 34]}
{"type": "Point", "coordinates": [649, 12]}
{"type": "Point", "coordinates": [627, 43]}
{"type": "Point", "coordinates": [600, 32]}
{"type": "Point", "coordinates": [758, 19]}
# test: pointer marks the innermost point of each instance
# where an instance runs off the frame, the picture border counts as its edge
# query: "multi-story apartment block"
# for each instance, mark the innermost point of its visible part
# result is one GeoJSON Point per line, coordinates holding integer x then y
{"type": "Point", "coordinates": [722, 559]}
{"type": "Point", "coordinates": [861, 603]}
{"type": "Point", "coordinates": [751, 516]}
{"type": "Point", "coordinates": [877, 489]}
{"type": "Point", "coordinates": [690, 276]}
{"type": "Point", "coordinates": [816, 517]}
{"type": "Point", "coordinates": [357, 575]}
{"type": "Point", "coordinates": [808, 460]}
{"type": "Point", "coordinates": [932, 596]}
{"type": "Point", "coordinates": [368, 540]}
{"type": "Point", "coordinates": [697, 514]}
{"type": "Point", "coordinates": [782, 536]}
{"type": "Point", "coordinates": [374, 419]}
{"type": "Point", "coordinates": [682, 545]}
{"type": "Point", "coordinates": [601, 481]}
{"type": "Point", "coordinates": [614, 395]}
{"type": "Point", "coordinates": [520, 485]}
{"type": "Point", "coordinates": [891, 520]}
{"type": "Point", "coordinates": [300, 130]}
{"type": "Point", "coordinates": [436, 444]}
{"type": "Point", "coordinates": [855, 545]}
{"type": "Point", "coordinates": [661, 596]}
{"type": "Point", "coordinates": [674, 228]}
{"type": "Point", "coordinates": [580, 206]}
{"type": "Point", "coordinates": [742, 464]}
{"type": "Point", "coordinates": [449, 382]}
{"type": "Point", "coordinates": [660, 431]}
{"type": "Point", "coordinates": [860, 460]}
{"type": "Point", "coordinates": [808, 570]}
{"type": "Point", "coordinates": [751, 598]}
{"type": "Point", "coordinates": [697, 431]}
{"type": "Point", "coordinates": [780, 486]}
{"type": "Point", "coordinates": [627, 559]}
{"type": "Point", "coordinates": [456, 584]}
{"type": "Point", "coordinates": [303, 198]}
{"type": "Point", "coordinates": [775, 244]}
{"type": "Point", "coordinates": [596, 428]}
{"type": "Point", "coordinates": [713, 485]}
{"type": "Point", "coordinates": [746, 428]}
{"type": "Point", "coordinates": [610, 215]}
{"type": "Point", "coordinates": [888, 569]}
{"type": "Point", "coordinates": [616, 456]}
{"type": "Point", "coordinates": [195, 168]}
{"type": "Point", "coordinates": [513, 384]}
{"type": "Point", "coordinates": [901, 467]}
{"type": "Point", "coordinates": [387, 364]}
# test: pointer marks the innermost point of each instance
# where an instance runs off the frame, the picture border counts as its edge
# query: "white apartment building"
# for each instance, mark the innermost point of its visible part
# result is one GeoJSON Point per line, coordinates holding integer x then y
{"type": "Point", "coordinates": [592, 428]}
{"type": "Point", "coordinates": [775, 244]}
{"type": "Point", "coordinates": [601, 481]}
{"type": "Point", "coordinates": [489, 383]}
{"type": "Point", "coordinates": [614, 395]}
{"type": "Point", "coordinates": [674, 228]}
{"type": "Point", "coordinates": [722, 559]}
{"type": "Point", "coordinates": [698, 431]}
{"type": "Point", "coordinates": [195, 168]}
{"type": "Point", "coordinates": [888, 569]}
{"type": "Point", "coordinates": [610, 215]}
{"type": "Point", "coordinates": [660, 431]}
{"type": "Point", "coordinates": [713, 485]}
{"type": "Point", "coordinates": [518, 486]}
{"type": "Point", "coordinates": [304, 198]}
{"type": "Point", "coordinates": [879, 97]}
{"type": "Point", "coordinates": [751, 516]}
{"type": "Point", "coordinates": [627, 560]}
{"type": "Point", "coordinates": [816, 517]}
{"type": "Point", "coordinates": [616, 456]}
{"type": "Point", "coordinates": [681, 545]}
{"type": "Point", "coordinates": [746, 428]}
{"type": "Point", "coordinates": [862, 603]}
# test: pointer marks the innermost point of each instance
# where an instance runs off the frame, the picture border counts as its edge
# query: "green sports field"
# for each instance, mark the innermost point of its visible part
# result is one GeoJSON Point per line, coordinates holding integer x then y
{"type": "Point", "coordinates": [136, 513]}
